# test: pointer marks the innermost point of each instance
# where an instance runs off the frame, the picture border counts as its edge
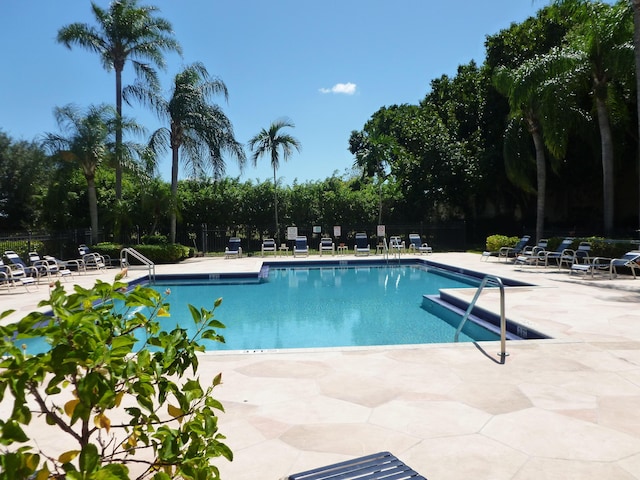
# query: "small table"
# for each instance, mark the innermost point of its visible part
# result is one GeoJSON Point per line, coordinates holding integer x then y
{"type": "Point", "coordinates": [284, 249]}
{"type": "Point", "coordinates": [342, 249]}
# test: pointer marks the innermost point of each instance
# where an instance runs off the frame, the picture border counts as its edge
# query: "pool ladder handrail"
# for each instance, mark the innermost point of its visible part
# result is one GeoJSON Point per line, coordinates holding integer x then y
{"type": "Point", "coordinates": [495, 281]}
{"type": "Point", "coordinates": [124, 261]}
{"type": "Point", "coordinates": [386, 249]}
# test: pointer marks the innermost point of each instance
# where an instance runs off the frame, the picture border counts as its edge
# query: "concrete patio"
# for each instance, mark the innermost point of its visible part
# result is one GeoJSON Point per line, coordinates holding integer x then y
{"type": "Point", "coordinates": [565, 408]}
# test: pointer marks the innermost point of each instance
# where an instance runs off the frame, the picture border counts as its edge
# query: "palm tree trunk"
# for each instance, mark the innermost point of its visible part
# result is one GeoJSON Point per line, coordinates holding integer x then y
{"type": "Point", "coordinates": [608, 191]}
{"type": "Point", "coordinates": [174, 192]}
{"type": "Point", "coordinates": [275, 201]}
{"type": "Point", "coordinates": [118, 186]}
{"type": "Point", "coordinates": [93, 209]}
{"type": "Point", "coordinates": [541, 174]}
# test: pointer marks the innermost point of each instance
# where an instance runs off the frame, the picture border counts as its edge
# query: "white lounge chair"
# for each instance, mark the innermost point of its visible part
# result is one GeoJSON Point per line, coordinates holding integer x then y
{"type": "Point", "coordinates": [300, 248]}
{"type": "Point", "coordinates": [362, 244]}
{"type": "Point", "coordinates": [233, 250]}
{"type": "Point", "coordinates": [579, 255]}
{"type": "Point", "coordinates": [48, 266]}
{"type": "Point", "coordinates": [417, 245]}
{"type": "Point", "coordinates": [268, 245]}
{"type": "Point", "coordinates": [507, 252]}
{"type": "Point", "coordinates": [396, 244]}
{"type": "Point", "coordinates": [629, 260]}
{"type": "Point", "coordinates": [542, 257]}
{"type": "Point", "coordinates": [105, 260]}
{"type": "Point", "coordinates": [327, 245]}
{"type": "Point", "coordinates": [19, 269]}
{"type": "Point", "coordinates": [12, 276]}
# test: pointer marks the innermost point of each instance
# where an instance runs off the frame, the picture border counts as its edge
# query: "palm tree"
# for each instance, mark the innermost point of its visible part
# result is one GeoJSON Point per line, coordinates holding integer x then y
{"type": "Point", "coordinates": [373, 153]}
{"type": "Point", "coordinates": [198, 129]}
{"type": "Point", "coordinates": [598, 52]}
{"type": "Point", "coordinates": [532, 93]}
{"type": "Point", "coordinates": [270, 142]}
{"type": "Point", "coordinates": [124, 32]}
{"type": "Point", "coordinates": [86, 143]}
{"type": "Point", "coordinates": [635, 5]}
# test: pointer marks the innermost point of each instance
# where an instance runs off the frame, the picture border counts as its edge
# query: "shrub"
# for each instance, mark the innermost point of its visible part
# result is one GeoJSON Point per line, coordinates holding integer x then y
{"type": "Point", "coordinates": [156, 239]}
{"type": "Point", "coordinates": [22, 248]}
{"type": "Point", "coordinates": [108, 248]}
{"type": "Point", "coordinates": [495, 242]}
{"type": "Point", "coordinates": [159, 254]}
{"type": "Point", "coordinates": [112, 386]}
{"type": "Point", "coordinates": [169, 253]}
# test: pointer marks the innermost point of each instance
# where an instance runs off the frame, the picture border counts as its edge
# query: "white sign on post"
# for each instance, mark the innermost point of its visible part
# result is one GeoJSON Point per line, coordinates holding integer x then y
{"type": "Point", "coordinates": [381, 231]}
{"type": "Point", "coordinates": [292, 233]}
{"type": "Point", "coordinates": [337, 231]}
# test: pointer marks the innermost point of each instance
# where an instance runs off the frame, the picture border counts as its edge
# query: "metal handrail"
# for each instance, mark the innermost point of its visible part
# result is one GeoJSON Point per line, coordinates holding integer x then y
{"type": "Point", "coordinates": [385, 249]}
{"type": "Point", "coordinates": [124, 261]}
{"type": "Point", "coordinates": [503, 319]}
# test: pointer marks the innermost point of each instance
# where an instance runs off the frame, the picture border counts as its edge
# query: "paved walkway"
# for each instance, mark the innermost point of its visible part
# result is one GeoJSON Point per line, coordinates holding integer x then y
{"type": "Point", "coordinates": [567, 408]}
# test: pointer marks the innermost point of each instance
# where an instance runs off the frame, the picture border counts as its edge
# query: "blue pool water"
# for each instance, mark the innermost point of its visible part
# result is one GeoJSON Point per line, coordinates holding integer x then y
{"type": "Point", "coordinates": [325, 307]}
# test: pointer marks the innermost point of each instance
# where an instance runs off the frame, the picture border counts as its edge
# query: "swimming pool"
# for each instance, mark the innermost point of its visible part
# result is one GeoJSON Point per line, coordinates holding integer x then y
{"type": "Point", "coordinates": [326, 306]}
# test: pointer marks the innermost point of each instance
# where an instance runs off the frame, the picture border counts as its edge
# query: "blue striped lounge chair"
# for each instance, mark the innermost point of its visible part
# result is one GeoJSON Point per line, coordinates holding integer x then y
{"type": "Point", "coordinates": [629, 260]}
{"type": "Point", "coordinates": [362, 244]}
{"type": "Point", "coordinates": [233, 250]}
{"type": "Point", "coordinates": [300, 248]}
{"type": "Point", "coordinates": [268, 245]}
{"type": "Point", "coordinates": [378, 466]}
{"type": "Point", "coordinates": [327, 245]}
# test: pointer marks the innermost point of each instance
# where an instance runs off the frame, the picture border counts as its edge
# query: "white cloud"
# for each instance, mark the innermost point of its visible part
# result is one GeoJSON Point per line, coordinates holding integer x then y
{"type": "Point", "coordinates": [342, 88]}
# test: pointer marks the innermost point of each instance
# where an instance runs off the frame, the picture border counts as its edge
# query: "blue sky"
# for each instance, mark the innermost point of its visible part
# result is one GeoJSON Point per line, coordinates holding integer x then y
{"type": "Point", "coordinates": [325, 65]}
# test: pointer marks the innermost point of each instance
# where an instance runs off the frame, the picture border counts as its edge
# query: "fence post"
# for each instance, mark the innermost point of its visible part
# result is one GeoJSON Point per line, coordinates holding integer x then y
{"type": "Point", "coordinates": [204, 238]}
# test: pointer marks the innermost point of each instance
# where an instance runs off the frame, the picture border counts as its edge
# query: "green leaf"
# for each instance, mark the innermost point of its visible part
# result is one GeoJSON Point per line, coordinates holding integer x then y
{"type": "Point", "coordinates": [89, 459]}
{"type": "Point", "coordinates": [195, 314]}
{"type": "Point", "coordinates": [161, 476]}
{"type": "Point", "coordinates": [215, 324]}
{"type": "Point", "coordinates": [112, 471]}
{"type": "Point", "coordinates": [12, 432]}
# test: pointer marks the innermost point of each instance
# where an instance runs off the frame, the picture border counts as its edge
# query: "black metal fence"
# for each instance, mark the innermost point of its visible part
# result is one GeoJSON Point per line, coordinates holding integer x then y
{"type": "Point", "coordinates": [449, 236]}
{"type": "Point", "coordinates": [58, 244]}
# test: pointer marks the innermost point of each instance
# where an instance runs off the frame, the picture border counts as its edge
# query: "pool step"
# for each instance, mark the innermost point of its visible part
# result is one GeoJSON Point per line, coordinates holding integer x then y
{"type": "Point", "coordinates": [481, 316]}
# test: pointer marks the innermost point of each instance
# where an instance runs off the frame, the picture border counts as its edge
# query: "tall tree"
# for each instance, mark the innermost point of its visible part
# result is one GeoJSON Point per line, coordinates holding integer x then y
{"type": "Point", "coordinates": [25, 172]}
{"type": "Point", "coordinates": [198, 129]}
{"type": "Point", "coordinates": [271, 141]}
{"type": "Point", "coordinates": [635, 5]}
{"type": "Point", "coordinates": [374, 154]}
{"type": "Point", "coordinates": [598, 51]}
{"type": "Point", "coordinates": [533, 95]}
{"type": "Point", "coordinates": [126, 31]}
{"type": "Point", "coordinates": [84, 140]}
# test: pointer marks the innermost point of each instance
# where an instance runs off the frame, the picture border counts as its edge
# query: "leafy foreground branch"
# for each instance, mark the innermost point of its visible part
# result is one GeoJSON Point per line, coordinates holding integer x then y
{"type": "Point", "coordinates": [111, 398]}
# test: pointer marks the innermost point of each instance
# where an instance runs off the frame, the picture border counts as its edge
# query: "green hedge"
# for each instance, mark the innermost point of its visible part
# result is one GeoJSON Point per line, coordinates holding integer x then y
{"type": "Point", "coordinates": [159, 254]}
{"type": "Point", "coordinates": [496, 242]}
{"type": "Point", "coordinates": [600, 247]}
{"type": "Point", "coordinates": [22, 248]}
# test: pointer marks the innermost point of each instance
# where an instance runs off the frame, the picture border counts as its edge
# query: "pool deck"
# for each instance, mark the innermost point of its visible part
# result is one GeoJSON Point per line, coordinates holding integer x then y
{"type": "Point", "coordinates": [563, 408]}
